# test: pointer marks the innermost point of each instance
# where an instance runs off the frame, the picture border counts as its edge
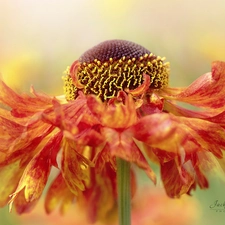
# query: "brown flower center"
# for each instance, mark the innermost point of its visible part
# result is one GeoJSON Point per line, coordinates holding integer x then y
{"type": "Point", "coordinates": [112, 66]}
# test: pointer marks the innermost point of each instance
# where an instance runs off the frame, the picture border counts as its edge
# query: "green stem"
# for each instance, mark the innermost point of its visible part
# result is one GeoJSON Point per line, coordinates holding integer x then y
{"type": "Point", "coordinates": [124, 193]}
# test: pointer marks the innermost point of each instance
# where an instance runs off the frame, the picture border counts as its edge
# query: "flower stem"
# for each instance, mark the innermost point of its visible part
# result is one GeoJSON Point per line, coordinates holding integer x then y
{"type": "Point", "coordinates": [124, 193]}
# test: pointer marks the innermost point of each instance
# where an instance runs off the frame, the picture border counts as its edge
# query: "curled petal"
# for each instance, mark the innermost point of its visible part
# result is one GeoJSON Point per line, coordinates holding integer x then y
{"type": "Point", "coordinates": [170, 133]}
{"type": "Point", "coordinates": [185, 174]}
{"type": "Point", "coordinates": [73, 73]}
{"type": "Point", "coordinates": [122, 145]}
{"type": "Point", "coordinates": [119, 113]}
{"type": "Point", "coordinates": [203, 134]}
{"type": "Point", "coordinates": [207, 91]}
{"type": "Point", "coordinates": [176, 179]}
{"type": "Point", "coordinates": [22, 105]}
{"type": "Point", "coordinates": [140, 90]}
{"type": "Point", "coordinates": [100, 199]}
{"type": "Point", "coordinates": [34, 178]}
{"type": "Point", "coordinates": [151, 104]}
{"type": "Point", "coordinates": [157, 130]}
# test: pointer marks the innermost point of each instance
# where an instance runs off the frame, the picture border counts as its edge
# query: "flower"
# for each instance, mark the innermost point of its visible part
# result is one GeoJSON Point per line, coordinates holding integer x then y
{"type": "Point", "coordinates": [117, 103]}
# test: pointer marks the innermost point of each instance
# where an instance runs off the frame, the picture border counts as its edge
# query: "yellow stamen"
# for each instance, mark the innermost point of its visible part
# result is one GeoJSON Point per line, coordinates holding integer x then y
{"type": "Point", "coordinates": [105, 77]}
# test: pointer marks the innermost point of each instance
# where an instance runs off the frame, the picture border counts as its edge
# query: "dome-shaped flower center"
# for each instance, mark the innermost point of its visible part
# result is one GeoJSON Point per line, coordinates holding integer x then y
{"type": "Point", "coordinates": [112, 66]}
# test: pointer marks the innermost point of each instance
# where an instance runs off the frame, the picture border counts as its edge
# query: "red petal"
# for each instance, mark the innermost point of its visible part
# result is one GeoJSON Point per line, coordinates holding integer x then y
{"type": "Point", "coordinates": [157, 130]}
{"type": "Point", "coordinates": [152, 104]}
{"type": "Point", "coordinates": [119, 113]}
{"type": "Point", "coordinates": [73, 73]}
{"type": "Point", "coordinates": [21, 204]}
{"type": "Point", "coordinates": [23, 105]}
{"type": "Point", "coordinates": [169, 133]}
{"type": "Point", "coordinates": [123, 146]}
{"type": "Point", "coordinates": [176, 182]}
{"type": "Point", "coordinates": [26, 143]}
{"type": "Point", "coordinates": [207, 91]}
{"type": "Point", "coordinates": [142, 88]}
{"type": "Point", "coordinates": [100, 198]}
{"type": "Point", "coordinates": [208, 136]}
{"type": "Point", "coordinates": [58, 194]}
{"type": "Point", "coordinates": [74, 167]}
{"type": "Point", "coordinates": [34, 177]}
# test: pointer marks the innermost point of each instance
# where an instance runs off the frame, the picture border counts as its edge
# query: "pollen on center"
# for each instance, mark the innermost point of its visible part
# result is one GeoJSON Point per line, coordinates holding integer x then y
{"type": "Point", "coordinates": [112, 66]}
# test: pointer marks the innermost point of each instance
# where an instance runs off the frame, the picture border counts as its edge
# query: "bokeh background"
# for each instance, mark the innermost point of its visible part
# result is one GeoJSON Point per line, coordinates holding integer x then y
{"type": "Point", "coordinates": [39, 39]}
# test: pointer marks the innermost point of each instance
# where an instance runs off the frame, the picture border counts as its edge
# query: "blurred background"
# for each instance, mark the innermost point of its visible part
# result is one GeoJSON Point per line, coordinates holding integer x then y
{"type": "Point", "coordinates": [39, 39]}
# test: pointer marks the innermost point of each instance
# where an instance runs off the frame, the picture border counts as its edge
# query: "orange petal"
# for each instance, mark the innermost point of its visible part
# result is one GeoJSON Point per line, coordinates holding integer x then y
{"type": "Point", "coordinates": [204, 134]}
{"type": "Point", "coordinates": [34, 177]}
{"type": "Point", "coordinates": [73, 74]}
{"type": "Point", "coordinates": [23, 105]}
{"type": "Point", "coordinates": [26, 143]}
{"type": "Point", "coordinates": [74, 167]}
{"type": "Point", "coordinates": [58, 194]}
{"type": "Point", "coordinates": [21, 204]}
{"type": "Point", "coordinates": [207, 91]}
{"type": "Point", "coordinates": [142, 88]}
{"type": "Point", "coordinates": [10, 176]}
{"type": "Point", "coordinates": [158, 130]}
{"type": "Point", "coordinates": [177, 181]}
{"type": "Point", "coordinates": [100, 198]}
{"type": "Point", "coordinates": [119, 113]}
{"type": "Point", "coordinates": [169, 133]}
{"type": "Point", "coordinates": [122, 145]}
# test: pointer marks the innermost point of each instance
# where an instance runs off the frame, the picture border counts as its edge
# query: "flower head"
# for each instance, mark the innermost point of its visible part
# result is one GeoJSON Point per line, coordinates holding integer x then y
{"type": "Point", "coordinates": [114, 66]}
{"type": "Point", "coordinates": [117, 103]}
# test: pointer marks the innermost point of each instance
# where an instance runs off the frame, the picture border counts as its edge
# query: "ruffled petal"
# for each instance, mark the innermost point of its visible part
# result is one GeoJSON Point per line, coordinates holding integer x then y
{"type": "Point", "coordinates": [177, 110]}
{"type": "Point", "coordinates": [204, 135]}
{"type": "Point", "coordinates": [21, 205]}
{"type": "Point", "coordinates": [176, 179]}
{"type": "Point", "coordinates": [74, 167]}
{"type": "Point", "coordinates": [170, 133]}
{"type": "Point", "coordinates": [99, 199]}
{"type": "Point", "coordinates": [34, 178]}
{"type": "Point", "coordinates": [23, 105]}
{"type": "Point", "coordinates": [58, 194]}
{"type": "Point", "coordinates": [10, 176]}
{"type": "Point", "coordinates": [157, 130]}
{"type": "Point", "coordinates": [26, 144]}
{"type": "Point", "coordinates": [185, 173]}
{"type": "Point", "coordinates": [120, 112]}
{"type": "Point", "coordinates": [122, 145]}
{"type": "Point", "coordinates": [207, 91]}
{"type": "Point", "coordinates": [152, 103]}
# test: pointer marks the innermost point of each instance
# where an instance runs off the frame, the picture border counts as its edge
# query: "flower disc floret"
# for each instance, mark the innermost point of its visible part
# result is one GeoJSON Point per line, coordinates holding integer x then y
{"type": "Point", "coordinates": [114, 66]}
